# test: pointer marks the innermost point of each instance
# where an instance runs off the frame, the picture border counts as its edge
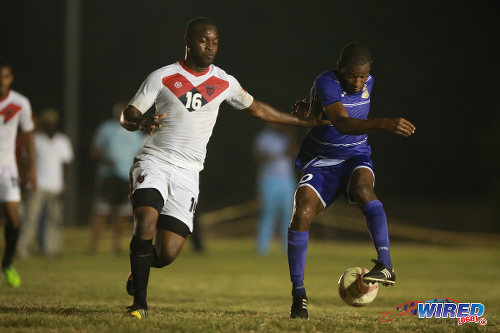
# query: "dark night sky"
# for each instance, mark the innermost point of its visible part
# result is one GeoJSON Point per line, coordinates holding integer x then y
{"type": "Point", "coordinates": [435, 64]}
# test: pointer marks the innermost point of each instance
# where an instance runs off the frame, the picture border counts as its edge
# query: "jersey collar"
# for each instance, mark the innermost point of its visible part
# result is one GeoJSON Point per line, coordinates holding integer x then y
{"type": "Point", "coordinates": [190, 71]}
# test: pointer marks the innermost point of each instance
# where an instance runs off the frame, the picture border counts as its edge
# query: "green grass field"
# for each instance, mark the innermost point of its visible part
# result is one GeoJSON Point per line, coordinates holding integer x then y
{"type": "Point", "coordinates": [230, 289]}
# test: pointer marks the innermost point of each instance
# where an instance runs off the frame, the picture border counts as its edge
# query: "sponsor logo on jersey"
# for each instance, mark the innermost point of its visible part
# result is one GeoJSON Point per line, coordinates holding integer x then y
{"type": "Point", "coordinates": [177, 84]}
{"type": "Point", "coordinates": [9, 112]}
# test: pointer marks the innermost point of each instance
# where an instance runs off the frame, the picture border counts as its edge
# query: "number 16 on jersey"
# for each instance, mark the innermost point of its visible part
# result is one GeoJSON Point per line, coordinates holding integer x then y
{"type": "Point", "coordinates": [194, 101]}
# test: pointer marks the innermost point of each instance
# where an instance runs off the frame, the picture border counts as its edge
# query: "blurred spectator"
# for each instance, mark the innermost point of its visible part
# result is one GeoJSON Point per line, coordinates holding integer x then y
{"type": "Point", "coordinates": [53, 151]}
{"type": "Point", "coordinates": [114, 148]}
{"type": "Point", "coordinates": [274, 148]}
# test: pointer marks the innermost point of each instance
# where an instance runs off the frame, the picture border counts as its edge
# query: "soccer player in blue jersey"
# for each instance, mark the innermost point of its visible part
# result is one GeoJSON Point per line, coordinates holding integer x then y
{"type": "Point", "coordinates": [335, 159]}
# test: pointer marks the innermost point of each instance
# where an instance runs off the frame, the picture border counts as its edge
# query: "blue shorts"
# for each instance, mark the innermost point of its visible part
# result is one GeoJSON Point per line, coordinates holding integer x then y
{"type": "Point", "coordinates": [330, 181]}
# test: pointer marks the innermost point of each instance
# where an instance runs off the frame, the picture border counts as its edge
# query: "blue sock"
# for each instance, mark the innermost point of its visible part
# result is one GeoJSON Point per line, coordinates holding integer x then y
{"type": "Point", "coordinates": [377, 224]}
{"type": "Point", "coordinates": [297, 249]}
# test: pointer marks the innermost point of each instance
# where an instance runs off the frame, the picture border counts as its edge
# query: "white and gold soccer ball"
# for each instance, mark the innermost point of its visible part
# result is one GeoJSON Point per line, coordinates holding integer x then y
{"type": "Point", "coordinates": [353, 290]}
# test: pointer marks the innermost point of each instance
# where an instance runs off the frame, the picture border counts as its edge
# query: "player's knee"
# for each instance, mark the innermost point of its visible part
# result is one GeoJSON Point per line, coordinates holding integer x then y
{"type": "Point", "coordinates": [302, 217]}
{"type": "Point", "coordinates": [12, 215]}
{"type": "Point", "coordinates": [363, 192]}
{"type": "Point", "coordinates": [303, 214]}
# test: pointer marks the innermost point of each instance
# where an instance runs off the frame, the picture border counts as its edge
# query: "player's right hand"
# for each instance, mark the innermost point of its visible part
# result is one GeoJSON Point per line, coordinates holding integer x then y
{"type": "Point", "coordinates": [151, 123]}
{"type": "Point", "coordinates": [399, 126]}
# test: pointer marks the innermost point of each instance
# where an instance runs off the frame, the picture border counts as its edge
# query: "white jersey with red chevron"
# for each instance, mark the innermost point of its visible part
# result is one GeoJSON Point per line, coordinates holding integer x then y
{"type": "Point", "coordinates": [191, 102]}
{"type": "Point", "coordinates": [15, 111]}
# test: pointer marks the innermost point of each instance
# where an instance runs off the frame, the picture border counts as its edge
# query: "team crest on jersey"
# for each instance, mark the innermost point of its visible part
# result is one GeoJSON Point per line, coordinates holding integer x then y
{"type": "Point", "coordinates": [210, 89]}
{"type": "Point", "coordinates": [365, 94]}
{"type": "Point", "coordinates": [194, 98]}
{"type": "Point", "coordinates": [9, 112]}
{"type": "Point", "coordinates": [141, 178]}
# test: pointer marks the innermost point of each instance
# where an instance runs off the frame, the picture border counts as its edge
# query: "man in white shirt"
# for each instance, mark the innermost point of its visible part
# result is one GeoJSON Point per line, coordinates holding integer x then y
{"type": "Point", "coordinates": [15, 112]}
{"type": "Point", "coordinates": [53, 151]}
{"type": "Point", "coordinates": [164, 176]}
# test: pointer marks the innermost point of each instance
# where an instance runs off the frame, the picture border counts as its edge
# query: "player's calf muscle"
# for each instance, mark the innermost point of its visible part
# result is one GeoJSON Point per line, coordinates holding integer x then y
{"type": "Point", "coordinates": [167, 256]}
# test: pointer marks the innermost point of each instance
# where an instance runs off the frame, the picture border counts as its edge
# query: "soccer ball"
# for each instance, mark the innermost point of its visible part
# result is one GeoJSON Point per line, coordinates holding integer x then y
{"type": "Point", "coordinates": [353, 290]}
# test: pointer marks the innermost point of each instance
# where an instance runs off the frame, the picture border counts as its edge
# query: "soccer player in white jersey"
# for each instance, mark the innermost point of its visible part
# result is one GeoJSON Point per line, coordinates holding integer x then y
{"type": "Point", "coordinates": [15, 112]}
{"type": "Point", "coordinates": [164, 176]}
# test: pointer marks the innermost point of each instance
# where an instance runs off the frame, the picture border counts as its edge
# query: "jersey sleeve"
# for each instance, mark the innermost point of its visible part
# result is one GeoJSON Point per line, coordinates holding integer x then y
{"type": "Point", "coordinates": [238, 97]}
{"type": "Point", "coordinates": [25, 117]}
{"type": "Point", "coordinates": [328, 90]}
{"type": "Point", "coordinates": [67, 151]}
{"type": "Point", "coordinates": [147, 93]}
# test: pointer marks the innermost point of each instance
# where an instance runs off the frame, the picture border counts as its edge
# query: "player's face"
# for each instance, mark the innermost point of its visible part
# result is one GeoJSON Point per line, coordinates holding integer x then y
{"type": "Point", "coordinates": [48, 127]}
{"type": "Point", "coordinates": [6, 78]}
{"type": "Point", "coordinates": [353, 77]}
{"type": "Point", "coordinates": [203, 45]}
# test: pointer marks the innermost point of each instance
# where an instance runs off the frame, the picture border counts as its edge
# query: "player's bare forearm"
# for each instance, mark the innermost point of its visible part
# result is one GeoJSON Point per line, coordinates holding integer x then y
{"type": "Point", "coordinates": [339, 118]}
{"type": "Point", "coordinates": [269, 114]}
{"type": "Point", "coordinates": [131, 118]}
{"type": "Point", "coordinates": [356, 126]}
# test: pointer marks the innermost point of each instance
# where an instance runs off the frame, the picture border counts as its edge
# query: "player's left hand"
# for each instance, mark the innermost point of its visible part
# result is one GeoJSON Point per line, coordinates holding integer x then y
{"type": "Point", "coordinates": [399, 126]}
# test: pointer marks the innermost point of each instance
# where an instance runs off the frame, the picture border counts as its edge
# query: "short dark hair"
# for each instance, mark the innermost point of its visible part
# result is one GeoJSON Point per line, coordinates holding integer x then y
{"type": "Point", "coordinates": [355, 54]}
{"type": "Point", "coordinates": [5, 63]}
{"type": "Point", "coordinates": [194, 22]}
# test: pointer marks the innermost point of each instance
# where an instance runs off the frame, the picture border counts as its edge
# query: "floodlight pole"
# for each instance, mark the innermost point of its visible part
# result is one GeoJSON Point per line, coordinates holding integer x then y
{"type": "Point", "coordinates": [71, 96]}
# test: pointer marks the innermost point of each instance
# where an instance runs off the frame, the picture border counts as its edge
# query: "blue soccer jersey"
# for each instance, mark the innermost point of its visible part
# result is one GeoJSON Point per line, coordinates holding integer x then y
{"type": "Point", "coordinates": [325, 142]}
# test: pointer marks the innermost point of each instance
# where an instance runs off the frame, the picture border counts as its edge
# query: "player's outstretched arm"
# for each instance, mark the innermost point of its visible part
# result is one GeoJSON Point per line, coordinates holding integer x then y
{"type": "Point", "coordinates": [339, 118]}
{"type": "Point", "coordinates": [269, 114]}
{"type": "Point", "coordinates": [132, 120]}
